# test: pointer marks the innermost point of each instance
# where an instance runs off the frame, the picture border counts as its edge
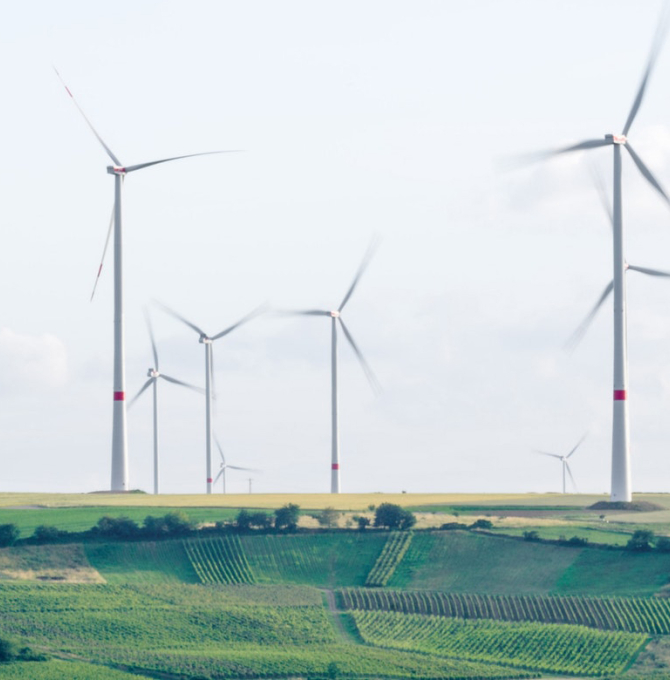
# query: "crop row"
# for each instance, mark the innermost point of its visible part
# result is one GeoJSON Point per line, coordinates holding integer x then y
{"type": "Point", "coordinates": [219, 560]}
{"type": "Point", "coordinates": [394, 550]}
{"type": "Point", "coordinates": [627, 614]}
{"type": "Point", "coordinates": [311, 662]}
{"type": "Point", "coordinates": [553, 648]}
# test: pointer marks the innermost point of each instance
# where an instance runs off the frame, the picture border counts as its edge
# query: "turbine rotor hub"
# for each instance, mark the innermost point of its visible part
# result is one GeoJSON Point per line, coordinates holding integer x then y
{"type": "Point", "coordinates": [335, 315]}
{"type": "Point", "coordinates": [152, 373]}
{"type": "Point", "coordinates": [205, 340]}
{"type": "Point", "coordinates": [116, 170]}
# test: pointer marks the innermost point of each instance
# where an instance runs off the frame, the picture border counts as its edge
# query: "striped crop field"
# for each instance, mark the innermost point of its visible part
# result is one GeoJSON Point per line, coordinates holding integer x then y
{"type": "Point", "coordinates": [219, 560]}
{"type": "Point", "coordinates": [328, 559]}
{"type": "Point", "coordinates": [394, 550]}
{"type": "Point", "coordinates": [551, 648]}
{"type": "Point", "coordinates": [636, 615]}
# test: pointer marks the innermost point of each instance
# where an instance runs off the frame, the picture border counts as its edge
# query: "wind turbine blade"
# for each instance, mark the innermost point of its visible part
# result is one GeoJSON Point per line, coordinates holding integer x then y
{"type": "Point", "coordinates": [544, 453]}
{"type": "Point", "coordinates": [218, 446]}
{"type": "Point", "coordinates": [104, 252]}
{"type": "Point", "coordinates": [647, 173]}
{"type": "Point", "coordinates": [366, 368]}
{"type": "Point", "coordinates": [581, 146]}
{"type": "Point", "coordinates": [572, 479]}
{"type": "Point", "coordinates": [234, 467]}
{"type": "Point", "coordinates": [140, 166]}
{"type": "Point", "coordinates": [649, 272]}
{"type": "Point", "coordinates": [653, 55]}
{"type": "Point", "coordinates": [579, 333]}
{"type": "Point", "coordinates": [216, 479]}
{"type": "Point", "coordinates": [88, 122]}
{"type": "Point", "coordinates": [374, 244]}
{"type": "Point", "coordinates": [179, 317]}
{"type": "Point", "coordinates": [144, 387]}
{"type": "Point", "coordinates": [602, 193]}
{"type": "Point", "coordinates": [151, 337]}
{"type": "Point", "coordinates": [245, 319]}
{"type": "Point", "coordinates": [302, 312]}
{"type": "Point", "coordinates": [199, 390]}
{"type": "Point", "coordinates": [577, 445]}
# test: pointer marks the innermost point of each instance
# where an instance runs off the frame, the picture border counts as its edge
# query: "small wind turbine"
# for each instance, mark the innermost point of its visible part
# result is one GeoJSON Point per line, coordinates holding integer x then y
{"type": "Point", "coordinates": [621, 478]}
{"type": "Point", "coordinates": [154, 375]}
{"type": "Point", "coordinates": [335, 317]}
{"type": "Point", "coordinates": [225, 466]}
{"type": "Point", "coordinates": [207, 341]}
{"type": "Point", "coordinates": [119, 427]}
{"type": "Point", "coordinates": [564, 461]}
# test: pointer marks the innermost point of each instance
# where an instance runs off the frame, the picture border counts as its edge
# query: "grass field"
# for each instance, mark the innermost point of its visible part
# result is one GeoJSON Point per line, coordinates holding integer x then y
{"type": "Point", "coordinates": [470, 562]}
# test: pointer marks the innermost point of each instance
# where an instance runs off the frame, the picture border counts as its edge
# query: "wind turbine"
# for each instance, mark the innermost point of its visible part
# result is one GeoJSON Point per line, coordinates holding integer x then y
{"type": "Point", "coordinates": [225, 466]}
{"type": "Point", "coordinates": [564, 461]}
{"type": "Point", "coordinates": [621, 478]}
{"type": "Point", "coordinates": [335, 318]}
{"type": "Point", "coordinates": [119, 427]}
{"type": "Point", "coordinates": [207, 341]}
{"type": "Point", "coordinates": [154, 375]}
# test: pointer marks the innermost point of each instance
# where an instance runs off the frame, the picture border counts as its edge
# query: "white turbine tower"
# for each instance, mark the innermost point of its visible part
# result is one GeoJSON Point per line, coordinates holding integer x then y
{"type": "Point", "coordinates": [564, 461]}
{"type": "Point", "coordinates": [207, 341]}
{"type": "Point", "coordinates": [225, 466]}
{"type": "Point", "coordinates": [621, 478]}
{"type": "Point", "coordinates": [335, 318]}
{"type": "Point", "coordinates": [154, 375]}
{"type": "Point", "coordinates": [119, 427]}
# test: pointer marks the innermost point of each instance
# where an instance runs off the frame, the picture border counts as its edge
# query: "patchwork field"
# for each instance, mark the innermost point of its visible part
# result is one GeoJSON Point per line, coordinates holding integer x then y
{"type": "Point", "coordinates": [446, 604]}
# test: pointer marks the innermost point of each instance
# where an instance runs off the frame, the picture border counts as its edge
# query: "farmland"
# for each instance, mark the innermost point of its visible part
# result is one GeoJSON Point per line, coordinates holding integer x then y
{"type": "Point", "coordinates": [461, 603]}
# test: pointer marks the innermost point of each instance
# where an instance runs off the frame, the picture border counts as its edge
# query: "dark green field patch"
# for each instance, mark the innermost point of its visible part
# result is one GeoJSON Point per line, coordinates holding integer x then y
{"type": "Point", "coordinates": [328, 559]}
{"type": "Point", "coordinates": [615, 572]}
{"type": "Point", "coordinates": [461, 562]}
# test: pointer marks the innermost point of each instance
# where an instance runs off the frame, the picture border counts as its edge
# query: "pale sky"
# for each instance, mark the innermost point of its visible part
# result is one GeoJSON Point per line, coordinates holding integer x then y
{"type": "Point", "coordinates": [355, 118]}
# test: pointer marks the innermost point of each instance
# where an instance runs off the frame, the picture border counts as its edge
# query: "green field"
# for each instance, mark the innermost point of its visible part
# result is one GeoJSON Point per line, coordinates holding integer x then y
{"type": "Point", "coordinates": [446, 604]}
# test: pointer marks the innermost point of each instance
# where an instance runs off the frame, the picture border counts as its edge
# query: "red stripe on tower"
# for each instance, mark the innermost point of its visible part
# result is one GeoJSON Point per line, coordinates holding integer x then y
{"type": "Point", "coordinates": [209, 480]}
{"type": "Point", "coordinates": [119, 396]}
{"type": "Point", "coordinates": [336, 466]}
{"type": "Point", "coordinates": [620, 395]}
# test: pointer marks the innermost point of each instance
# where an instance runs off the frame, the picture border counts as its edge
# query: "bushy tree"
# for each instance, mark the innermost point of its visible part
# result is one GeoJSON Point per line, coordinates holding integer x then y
{"type": "Point", "coordinates": [173, 524]}
{"type": "Point", "coordinates": [391, 516]}
{"type": "Point", "coordinates": [286, 517]}
{"type": "Point", "coordinates": [482, 524]}
{"type": "Point", "coordinates": [329, 517]}
{"type": "Point", "coordinates": [663, 544]}
{"type": "Point", "coordinates": [47, 534]}
{"type": "Point", "coordinates": [640, 541]}
{"type": "Point", "coordinates": [9, 534]}
{"type": "Point", "coordinates": [362, 521]}
{"type": "Point", "coordinates": [531, 536]}
{"type": "Point", "coordinates": [8, 650]}
{"type": "Point", "coordinates": [116, 527]}
{"type": "Point", "coordinates": [246, 521]}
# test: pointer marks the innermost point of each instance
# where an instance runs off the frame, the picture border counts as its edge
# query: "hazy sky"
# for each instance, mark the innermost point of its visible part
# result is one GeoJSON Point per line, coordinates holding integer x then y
{"type": "Point", "coordinates": [355, 118]}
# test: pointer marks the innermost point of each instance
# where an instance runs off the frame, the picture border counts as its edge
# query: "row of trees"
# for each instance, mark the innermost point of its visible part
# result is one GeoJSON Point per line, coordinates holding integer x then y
{"type": "Point", "coordinates": [178, 525]}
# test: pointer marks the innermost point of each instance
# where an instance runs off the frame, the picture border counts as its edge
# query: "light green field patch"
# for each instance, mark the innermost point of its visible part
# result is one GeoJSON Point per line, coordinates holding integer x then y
{"type": "Point", "coordinates": [52, 563]}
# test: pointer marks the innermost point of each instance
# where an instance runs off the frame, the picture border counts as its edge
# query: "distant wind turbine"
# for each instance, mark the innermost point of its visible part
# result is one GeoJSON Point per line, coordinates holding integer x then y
{"type": "Point", "coordinates": [154, 375]}
{"type": "Point", "coordinates": [207, 341]}
{"type": "Point", "coordinates": [621, 478]}
{"type": "Point", "coordinates": [564, 461]}
{"type": "Point", "coordinates": [119, 427]}
{"type": "Point", "coordinates": [225, 466]}
{"type": "Point", "coordinates": [335, 317]}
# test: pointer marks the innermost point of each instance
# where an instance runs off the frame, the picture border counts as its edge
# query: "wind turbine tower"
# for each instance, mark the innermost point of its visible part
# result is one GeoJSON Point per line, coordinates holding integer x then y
{"type": "Point", "coordinates": [119, 171]}
{"type": "Point", "coordinates": [621, 489]}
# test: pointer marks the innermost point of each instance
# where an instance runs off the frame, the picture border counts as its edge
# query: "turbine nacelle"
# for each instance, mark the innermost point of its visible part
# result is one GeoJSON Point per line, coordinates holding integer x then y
{"type": "Point", "coordinates": [205, 340]}
{"type": "Point", "coordinates": [616, 139]}
{"type": "Point", "coordinates": [335, 314]}
{"type": "Point", "coordinates": [153, 373]}
{"type": "Point", "coordinates": [116, 170]}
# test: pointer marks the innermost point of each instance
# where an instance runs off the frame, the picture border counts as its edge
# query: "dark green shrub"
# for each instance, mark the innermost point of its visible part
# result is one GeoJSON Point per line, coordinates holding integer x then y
{"type": "Point", "coordinates": [286, 517]}
{"type": "Point", "coordinates": [482, 524]}
{"type": "Point", "coordinates": [640, 541]}
{"type": "Point", "coordinates": [47, 534]}
{"type": "Point", "coordinates": [391, 516]}
{"type": "Point", "coordinates": [531, 536]}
